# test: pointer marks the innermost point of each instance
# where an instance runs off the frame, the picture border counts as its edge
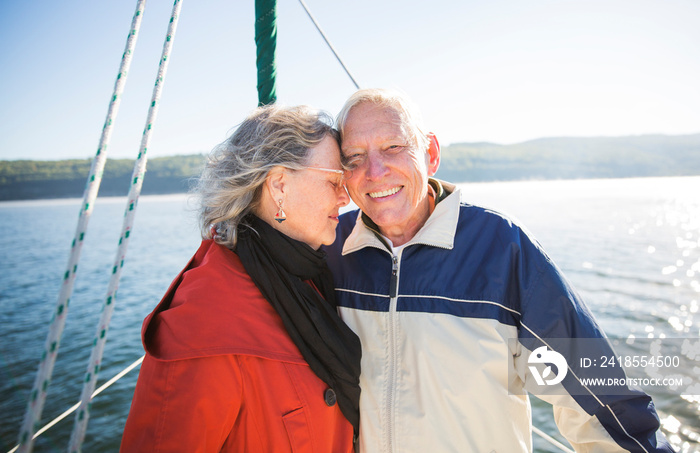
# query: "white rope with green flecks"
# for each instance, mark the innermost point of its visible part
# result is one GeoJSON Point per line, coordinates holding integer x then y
{"type": "Point", "coordinates": [93, 368]}
{"type": "Point", "coordinates": [37, 397]}
{"type": "Point", "coordinates": [75, 407]}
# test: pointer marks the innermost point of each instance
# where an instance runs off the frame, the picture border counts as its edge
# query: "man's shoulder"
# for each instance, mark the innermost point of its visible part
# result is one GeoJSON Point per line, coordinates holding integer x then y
{"type": "Point", "coordinates": [472, 217]}
{"type": "Point", "coordinates": [480, 216]}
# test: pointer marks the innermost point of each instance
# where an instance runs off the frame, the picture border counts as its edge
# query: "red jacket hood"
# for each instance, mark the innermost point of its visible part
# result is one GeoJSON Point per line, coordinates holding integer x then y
{"type": "Point", "coordinates": [214, 308]}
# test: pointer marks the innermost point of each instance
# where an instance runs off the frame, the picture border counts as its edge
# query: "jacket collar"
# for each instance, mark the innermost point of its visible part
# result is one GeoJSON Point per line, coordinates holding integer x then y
{"type": "Point", "coordinates": [438, 231]}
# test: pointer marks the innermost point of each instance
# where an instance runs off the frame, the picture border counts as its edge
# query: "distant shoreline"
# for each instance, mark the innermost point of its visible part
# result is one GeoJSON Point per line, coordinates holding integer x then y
{"type": "Point", "coordinates": [184, 194]}
{"type": "Point", "coordinates": [561, 158]}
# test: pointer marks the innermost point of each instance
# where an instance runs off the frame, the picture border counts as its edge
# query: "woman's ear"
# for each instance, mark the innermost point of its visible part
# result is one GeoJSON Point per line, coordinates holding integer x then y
{"type": "Point", "coordinates": [276, 183]}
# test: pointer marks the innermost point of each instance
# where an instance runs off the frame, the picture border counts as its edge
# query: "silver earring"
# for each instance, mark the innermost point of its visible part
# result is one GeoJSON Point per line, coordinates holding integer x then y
{"type": "Point", "coordinates": [280, 216]}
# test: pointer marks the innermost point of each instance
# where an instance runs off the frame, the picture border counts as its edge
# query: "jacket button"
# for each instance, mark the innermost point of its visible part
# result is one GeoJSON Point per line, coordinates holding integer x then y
{"type": "Point", "coordinates": [329, 397]}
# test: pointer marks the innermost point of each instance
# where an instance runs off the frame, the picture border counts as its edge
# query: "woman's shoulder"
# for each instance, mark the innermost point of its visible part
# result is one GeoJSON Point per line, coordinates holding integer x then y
{"type": "Point", "coordinates": [213, 308]}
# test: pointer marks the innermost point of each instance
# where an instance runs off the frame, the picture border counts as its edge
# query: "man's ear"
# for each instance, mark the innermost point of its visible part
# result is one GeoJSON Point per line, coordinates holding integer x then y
{"type": "Point", "coordinates": [433, 154]}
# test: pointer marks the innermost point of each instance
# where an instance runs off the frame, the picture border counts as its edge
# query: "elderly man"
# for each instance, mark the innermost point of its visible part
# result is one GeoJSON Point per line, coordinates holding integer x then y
{"type": "Point", "coordinates": [450, 302]}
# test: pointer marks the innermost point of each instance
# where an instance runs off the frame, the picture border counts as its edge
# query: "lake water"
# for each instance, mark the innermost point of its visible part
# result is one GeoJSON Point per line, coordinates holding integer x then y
{"type": "Point", "coordinates": [631, 247]}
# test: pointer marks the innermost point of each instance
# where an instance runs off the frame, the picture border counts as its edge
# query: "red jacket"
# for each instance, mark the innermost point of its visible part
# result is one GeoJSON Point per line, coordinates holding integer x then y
{"type": "Point", "coordinates": [222, 374]}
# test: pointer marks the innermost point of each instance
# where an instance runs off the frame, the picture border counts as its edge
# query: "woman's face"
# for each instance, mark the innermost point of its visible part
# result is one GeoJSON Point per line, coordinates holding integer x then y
{"type": "Point", "coordinates": [315, 197]}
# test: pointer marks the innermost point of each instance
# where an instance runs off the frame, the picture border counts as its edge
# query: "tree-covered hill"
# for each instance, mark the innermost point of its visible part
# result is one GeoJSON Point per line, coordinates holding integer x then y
{"type": "Point", "coordinates": [546, 158]}
{"type": "Point", "coordinates": [28, 179]}
{"type": "Point", "coordinates": [573, 158]}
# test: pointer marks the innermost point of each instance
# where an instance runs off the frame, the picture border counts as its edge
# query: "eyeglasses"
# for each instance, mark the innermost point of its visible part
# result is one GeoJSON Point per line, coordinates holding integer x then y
{"type": "Point", "coordinates": [343, 175]}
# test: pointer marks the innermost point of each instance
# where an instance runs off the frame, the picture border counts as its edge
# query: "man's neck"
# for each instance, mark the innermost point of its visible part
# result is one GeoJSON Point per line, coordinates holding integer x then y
{"type": "Point", "coordinates": [400, 235]}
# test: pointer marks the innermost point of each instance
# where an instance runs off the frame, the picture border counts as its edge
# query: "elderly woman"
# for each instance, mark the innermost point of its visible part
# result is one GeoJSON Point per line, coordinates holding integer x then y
{"type": "Point", "coordinates": [246, 351]}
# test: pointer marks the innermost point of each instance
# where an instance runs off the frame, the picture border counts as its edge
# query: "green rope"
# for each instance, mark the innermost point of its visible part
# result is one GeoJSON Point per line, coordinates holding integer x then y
{"type": "Point", "coordinates": [266, 42]}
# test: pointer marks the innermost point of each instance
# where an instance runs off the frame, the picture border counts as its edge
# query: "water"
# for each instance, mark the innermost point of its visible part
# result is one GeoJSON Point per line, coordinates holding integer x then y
{"type": "Point", "coordinates": [33, 255]}
{"type": "Point", "coordinates": [631, 247]}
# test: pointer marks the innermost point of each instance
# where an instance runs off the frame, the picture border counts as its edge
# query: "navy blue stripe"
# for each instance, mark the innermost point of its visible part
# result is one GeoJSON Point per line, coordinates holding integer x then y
{"type": "Point", "coordinates": [362, 301]}
{"type": "Point", "coordinates": [482, 310]}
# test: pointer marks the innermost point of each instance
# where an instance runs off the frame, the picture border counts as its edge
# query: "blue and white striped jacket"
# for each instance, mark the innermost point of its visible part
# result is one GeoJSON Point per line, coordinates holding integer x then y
{"type": "Point", "coordinates": [447, 326]}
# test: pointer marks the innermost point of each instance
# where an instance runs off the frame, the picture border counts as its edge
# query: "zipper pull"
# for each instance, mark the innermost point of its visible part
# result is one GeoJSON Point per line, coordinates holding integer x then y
{"type": "Point", "coordinates": [394, 276]}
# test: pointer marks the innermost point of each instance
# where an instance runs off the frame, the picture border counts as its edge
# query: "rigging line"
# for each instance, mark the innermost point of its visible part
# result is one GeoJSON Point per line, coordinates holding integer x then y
{"type": "Point", "coordinates": [73, 408]}
{"type": "Point", "coordinates": [37, 397]}
{"type": "Point", "coordinates": [90, 381]}
{"type": "Point", "coordinates": [318, 27]}
{"type": "Point", "coordinates": [551, 440]}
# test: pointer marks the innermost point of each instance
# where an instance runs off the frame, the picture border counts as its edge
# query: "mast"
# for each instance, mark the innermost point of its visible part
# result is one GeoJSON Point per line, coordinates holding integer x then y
{"type": "Point", "coordinates": [266, 42]}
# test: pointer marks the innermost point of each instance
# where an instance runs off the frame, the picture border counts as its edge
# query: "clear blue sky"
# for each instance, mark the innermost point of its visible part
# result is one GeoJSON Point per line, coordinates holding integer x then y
{"type": "Point", "coordinates": [502, 71]}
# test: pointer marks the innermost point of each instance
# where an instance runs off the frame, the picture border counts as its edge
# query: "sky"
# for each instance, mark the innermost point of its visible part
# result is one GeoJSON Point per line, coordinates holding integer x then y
{"type": "Point", "coordinates": [501, 71]}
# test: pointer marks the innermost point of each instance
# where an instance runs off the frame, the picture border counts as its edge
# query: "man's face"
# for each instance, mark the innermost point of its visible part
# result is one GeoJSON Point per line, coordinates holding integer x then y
{"type": "Point", "coordinates": [389, 181]}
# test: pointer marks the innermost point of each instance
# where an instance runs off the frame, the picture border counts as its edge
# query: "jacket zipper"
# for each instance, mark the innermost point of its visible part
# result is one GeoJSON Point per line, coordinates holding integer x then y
{"type": "Point", "coordinates": [393, 291]}
{"type": "Point", "coordinates": [394, 276]}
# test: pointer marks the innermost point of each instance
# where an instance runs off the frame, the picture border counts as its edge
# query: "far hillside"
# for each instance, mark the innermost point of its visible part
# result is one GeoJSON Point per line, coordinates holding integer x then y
{"type": "Point", "coordinates": [573, 158]}
{"type": "Point", "coordinates": [33, 179]}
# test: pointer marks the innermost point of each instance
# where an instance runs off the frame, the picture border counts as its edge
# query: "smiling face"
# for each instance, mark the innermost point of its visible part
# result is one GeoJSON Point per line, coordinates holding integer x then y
{"type": "Point", "coordinates": [314, 197]}
{"type": "Point", "coordinates": [389, 180]}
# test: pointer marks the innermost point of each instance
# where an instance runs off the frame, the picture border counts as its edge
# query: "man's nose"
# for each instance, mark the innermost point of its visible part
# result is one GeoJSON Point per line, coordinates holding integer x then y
{"type": "Point", "coordinates": [376, 167]}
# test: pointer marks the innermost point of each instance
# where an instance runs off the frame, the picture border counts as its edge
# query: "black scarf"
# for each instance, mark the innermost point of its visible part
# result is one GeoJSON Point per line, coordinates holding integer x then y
{"type": "Point", "coordinates": [279, 266]}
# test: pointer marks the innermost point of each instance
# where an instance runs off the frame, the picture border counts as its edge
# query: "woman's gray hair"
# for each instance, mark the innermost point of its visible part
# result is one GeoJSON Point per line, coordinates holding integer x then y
{"type": "Point", "coordinates": [411, 120]}
{"type": "Point", "coordinates": [230, 186]}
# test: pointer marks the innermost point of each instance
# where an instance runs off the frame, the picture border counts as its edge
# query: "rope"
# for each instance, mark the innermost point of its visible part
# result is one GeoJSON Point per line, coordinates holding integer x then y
{"type": "Point", "coordinates": [266, 42]}
{"type": "Point", "coordinates": [82, 415]}
{"type": "Point", "coordinates": [318, 27]}
{"type": "Point", "coordinates": [73, 408]}
{"type": "Point", "coordinates": [551, 440]}
{"type": "Point", "coordinates": [37, 398]}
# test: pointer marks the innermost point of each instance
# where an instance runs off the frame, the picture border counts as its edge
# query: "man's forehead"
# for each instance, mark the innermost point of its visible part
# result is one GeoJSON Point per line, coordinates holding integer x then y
{"type": "Point", "coordinates": [366, 109]}
{"type": "Point", "coordinates": [383, 124]}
